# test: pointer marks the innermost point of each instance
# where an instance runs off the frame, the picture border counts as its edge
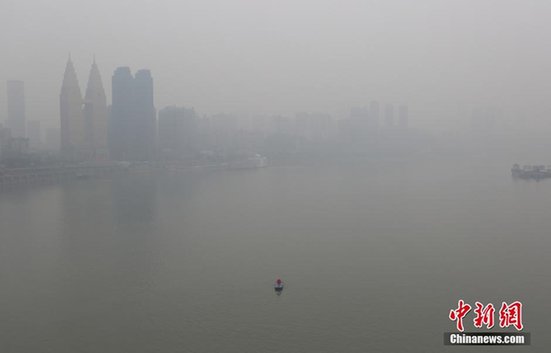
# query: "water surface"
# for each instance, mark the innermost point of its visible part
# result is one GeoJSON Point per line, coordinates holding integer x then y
{"type": "Point", "coordinates": [374, 256]}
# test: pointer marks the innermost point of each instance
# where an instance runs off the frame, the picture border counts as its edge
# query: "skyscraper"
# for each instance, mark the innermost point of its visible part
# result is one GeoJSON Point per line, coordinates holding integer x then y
{"type": "Point", "coordinates": [71, 116]}
{"type": "Point", "coordinates": [120, 132]}
{"type": "Point", "coordinates": [145, 124]}
{"type": "Point", "coordinates": [133, 116]}
{"type": "Point", "coordinates": [95, 117]}
{"type": "Point", "coordinates": [16, 108]}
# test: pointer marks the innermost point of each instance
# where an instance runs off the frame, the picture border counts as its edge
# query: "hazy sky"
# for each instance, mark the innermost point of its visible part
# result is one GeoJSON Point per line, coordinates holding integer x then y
{"type": "Point", "coordinates": [261, 56]}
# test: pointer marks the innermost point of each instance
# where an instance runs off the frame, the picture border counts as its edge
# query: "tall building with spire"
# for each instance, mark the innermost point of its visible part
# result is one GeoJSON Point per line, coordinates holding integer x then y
{"type": "Point", "coordinates": [95, 117]}
{"type": "Point", "coordinates": [71, 115]}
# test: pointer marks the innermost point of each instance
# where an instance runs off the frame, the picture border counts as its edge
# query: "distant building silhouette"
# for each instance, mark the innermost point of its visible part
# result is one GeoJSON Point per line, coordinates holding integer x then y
{"type": "Point", "coordinates": [360, 113]}
{"type": "Point", "coordinates": [314, 126]}
{"type": "Point", "coordinates": [95, 117]}
{"type": "Point", "coordinates": [13, 150]}
{"type": "Point", "coordinates": [145, 125]}
{"type": "Point", "coordinates": [121, 113]}
{"type": "Point", "coordinates": [5, 136]}
{"type": "Point", "coordinates": [133, 116]}
{"type": "Point", "coordinates": [374, 113]}
{"type": "Point", "coordinates": [16, 108]}
{"type": "Point", "coordinates": [52, 140]}
{"type": "Point", "coordinates": [403, 118]}
{"type": "Point", "coordinates": [281, 125]}
{"type": "Point", "coordinates": [359, 126]}
{"type": "Point", "coordinates": [389, 115]}
{"type": "Point", "coordinates": [34, 134]}
{"type": "Point", "coordinates": [178, 132]}
{"type": "Point", "coordinates": [71, 116]}
{"type": "Point", "coordinates": [83, 130]}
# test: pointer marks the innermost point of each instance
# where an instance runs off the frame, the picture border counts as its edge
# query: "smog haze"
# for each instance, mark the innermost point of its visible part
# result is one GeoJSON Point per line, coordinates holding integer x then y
{"type": "Point", "coordinates": [443, 58]}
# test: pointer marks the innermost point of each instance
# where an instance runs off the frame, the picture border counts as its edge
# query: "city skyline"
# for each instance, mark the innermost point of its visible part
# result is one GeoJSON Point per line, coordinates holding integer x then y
{"type": "Point", "coordinates": [376, 113]}
{"type": "Point", "coordinates": [90, 129]}
{"type": "Point", "coordinates": [340, 113]}
{"type": "Point", "coordinates": [442, 59]}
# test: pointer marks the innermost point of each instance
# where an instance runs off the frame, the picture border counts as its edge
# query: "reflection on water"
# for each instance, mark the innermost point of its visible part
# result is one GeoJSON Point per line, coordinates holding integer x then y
{"type": "Point", "coordinates": [373, 259]}
{"type": "Point", "coordinates": [134, 201]}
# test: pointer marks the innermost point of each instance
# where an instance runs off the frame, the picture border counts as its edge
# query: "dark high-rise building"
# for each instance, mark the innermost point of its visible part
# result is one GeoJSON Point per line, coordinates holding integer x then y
{"type": "Point", "coordinates": [403, 119]}
{"type": "Point", "coordinates": [389, 115]}
{"type": "Point", "coordinates": [133, 117]}
{"type": "Point", "coordinates": [121, 114]}
{"type": "Point", "coordinates": [16, 108]}
{"type": "Point", "coordinates": [95, 116]}
{"type": "Point", "coordinates": [145, 117]}
{"type": "Point", "coordinates": [71, 116]}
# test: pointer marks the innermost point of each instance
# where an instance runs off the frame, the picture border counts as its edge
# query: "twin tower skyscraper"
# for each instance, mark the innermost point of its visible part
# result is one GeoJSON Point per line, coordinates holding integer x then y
{"type": "Point", "coordinates": [84, 134]}
{"type": "Point", "coordinates": [92, 131]}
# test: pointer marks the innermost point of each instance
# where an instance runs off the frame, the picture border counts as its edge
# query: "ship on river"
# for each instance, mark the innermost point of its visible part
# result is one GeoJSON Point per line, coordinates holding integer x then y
{"type": "Point", "coordinates": [536, 172]}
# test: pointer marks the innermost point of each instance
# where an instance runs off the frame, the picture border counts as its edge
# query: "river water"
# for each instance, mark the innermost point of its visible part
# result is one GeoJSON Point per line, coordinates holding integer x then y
{"type": "Point", "coordinates": [374, 256]}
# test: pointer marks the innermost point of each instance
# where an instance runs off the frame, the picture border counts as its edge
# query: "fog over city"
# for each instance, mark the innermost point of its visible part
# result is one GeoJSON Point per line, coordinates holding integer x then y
{"type": "Point", "coordinates": [247, 176]}
{"type": "Point", "coordinates": [442, 58]}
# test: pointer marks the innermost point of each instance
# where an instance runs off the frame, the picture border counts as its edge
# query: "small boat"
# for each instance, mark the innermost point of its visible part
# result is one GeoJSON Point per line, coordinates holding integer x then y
{"type": "Point", "coordinates": [278, 286]}
{"type": "Point", "coordinates": [536, 172]}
